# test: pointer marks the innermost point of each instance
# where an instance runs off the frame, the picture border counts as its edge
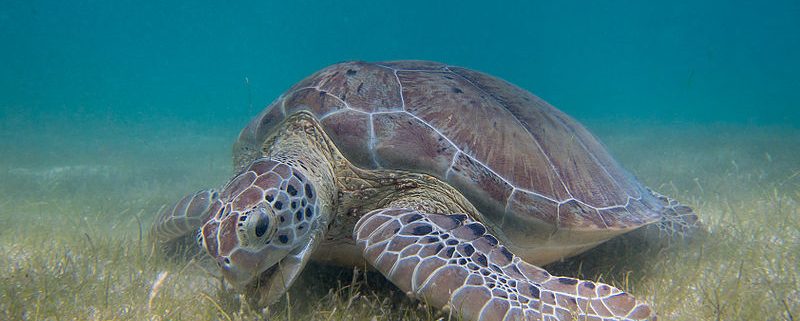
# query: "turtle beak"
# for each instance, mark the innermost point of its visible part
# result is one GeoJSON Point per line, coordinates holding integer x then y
{"type": "Point", "coordinates": [233, 274]}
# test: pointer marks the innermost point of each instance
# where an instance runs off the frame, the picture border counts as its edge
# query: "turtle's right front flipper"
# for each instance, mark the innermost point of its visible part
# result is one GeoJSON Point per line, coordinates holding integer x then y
{"type": "Point", "coordinates": [187, 215]}
{"type": "Point", "coordinates": [451, 262]}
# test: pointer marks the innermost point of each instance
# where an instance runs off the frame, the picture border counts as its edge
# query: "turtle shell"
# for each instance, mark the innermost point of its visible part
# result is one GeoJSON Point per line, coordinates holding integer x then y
{"type": "Point", "coordinates": [525, 165]}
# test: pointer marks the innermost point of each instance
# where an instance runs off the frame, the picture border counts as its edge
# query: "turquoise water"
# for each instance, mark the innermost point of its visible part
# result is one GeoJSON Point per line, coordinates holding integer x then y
{"type": "Point", "coordinates": [111, 109]}
{"type": "Point", "coordinates": [684, 60]}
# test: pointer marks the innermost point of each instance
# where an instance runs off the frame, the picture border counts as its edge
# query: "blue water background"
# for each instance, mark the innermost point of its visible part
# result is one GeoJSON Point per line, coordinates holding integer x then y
{"type": "Point", "coordinates": [695, 61]}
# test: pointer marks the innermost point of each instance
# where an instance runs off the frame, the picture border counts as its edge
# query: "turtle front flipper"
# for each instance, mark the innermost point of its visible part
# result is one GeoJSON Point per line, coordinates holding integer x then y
{"type": "Point", "coordinates": [175, 222]}
{"type": "Point", "coordinates": [451, 262]}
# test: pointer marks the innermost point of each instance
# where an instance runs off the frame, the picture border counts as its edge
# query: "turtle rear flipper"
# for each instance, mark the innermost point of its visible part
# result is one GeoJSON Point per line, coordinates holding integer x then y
{"type": "Point", "coordinates": [678, 224]}
{"type": "Point", "coordinates": [176, 226]}
{"type": "Point", "coordinates": [451, 262]}
{"type": "Point", "coordinates": [677, 220]}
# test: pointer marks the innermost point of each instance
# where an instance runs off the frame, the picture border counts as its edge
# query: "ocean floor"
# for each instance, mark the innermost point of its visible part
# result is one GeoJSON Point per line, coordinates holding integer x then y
{"type": "Point", "coordinates": [77, 197]}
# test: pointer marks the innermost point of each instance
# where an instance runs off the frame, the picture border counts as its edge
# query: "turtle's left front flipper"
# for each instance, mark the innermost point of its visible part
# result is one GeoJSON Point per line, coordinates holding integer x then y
{"type": "Point", "coordinates": [451, 262]}
{"type": "Point", "coordinates": [176, 222]}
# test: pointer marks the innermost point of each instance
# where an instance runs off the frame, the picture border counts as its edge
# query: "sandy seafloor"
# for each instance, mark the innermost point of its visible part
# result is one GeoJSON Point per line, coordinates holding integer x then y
{"type": "Point", "coordinates": [75, 191]}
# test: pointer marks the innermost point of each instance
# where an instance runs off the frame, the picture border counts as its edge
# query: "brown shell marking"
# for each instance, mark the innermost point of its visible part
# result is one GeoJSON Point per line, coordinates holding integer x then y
{"type": "Point", "coordinates": [496, 143]}
{"type": "Point", "coordinates": [466, 116]}
{"type": "Point", "coordinates": [365, 87]}
{"type": "Point", "coordinates": [351, 130]}
{"type": "Point", "coordinates": [402, 141]}
{"type": "Point", "coordinates": [479, 183]}
{"type": "Point", "coordinates": [543, 125]}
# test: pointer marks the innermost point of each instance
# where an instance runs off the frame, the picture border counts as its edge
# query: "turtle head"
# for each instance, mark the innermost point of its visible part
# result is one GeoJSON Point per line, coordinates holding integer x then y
{"type": "Point", "coordinates": [269, 211]}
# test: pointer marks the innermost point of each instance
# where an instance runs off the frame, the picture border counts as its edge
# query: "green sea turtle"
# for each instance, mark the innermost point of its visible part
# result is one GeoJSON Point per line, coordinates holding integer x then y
{"type": "Point", "coordinates": [452, 183]}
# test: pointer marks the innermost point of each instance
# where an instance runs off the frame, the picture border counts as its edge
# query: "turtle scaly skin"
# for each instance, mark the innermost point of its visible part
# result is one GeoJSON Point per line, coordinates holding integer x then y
{"type": "Point", "coordinates": [459, 266]}
{"type": "Point", "coordinates": [450, 182]}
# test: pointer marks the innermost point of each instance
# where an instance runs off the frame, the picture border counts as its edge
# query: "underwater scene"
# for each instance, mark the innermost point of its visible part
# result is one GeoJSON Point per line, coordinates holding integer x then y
{"type": "Point", "coordinates": [348, 160]}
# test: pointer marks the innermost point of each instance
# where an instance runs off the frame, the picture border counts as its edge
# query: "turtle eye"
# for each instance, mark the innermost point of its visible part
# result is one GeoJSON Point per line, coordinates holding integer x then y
{"type": "Point", "coordinates": [257, 226]}
{"type": "Point", "coordinates": [262, 224]}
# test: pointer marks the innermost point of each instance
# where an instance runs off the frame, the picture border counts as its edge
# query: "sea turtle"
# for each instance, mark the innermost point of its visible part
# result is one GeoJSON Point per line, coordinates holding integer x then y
{"type": "Point", "coordinates": [452, 183]}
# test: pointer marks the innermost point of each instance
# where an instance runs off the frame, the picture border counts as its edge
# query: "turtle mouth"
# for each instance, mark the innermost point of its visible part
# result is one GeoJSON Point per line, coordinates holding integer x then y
{"type": "Point", "coordinates": [265, 277]}
{"type": "Point", "coordinates": [260, 286]}
{"type": "Point", "coordinates": [269, 272]}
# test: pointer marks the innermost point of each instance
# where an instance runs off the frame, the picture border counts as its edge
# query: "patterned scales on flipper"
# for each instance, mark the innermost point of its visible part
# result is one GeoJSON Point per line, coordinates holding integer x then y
{"type": "Point", "coordinates": [677, 221]}
{"type": "Point", "coordinates": [450, 261]}
{"type": "Point", "coordinates": [186, 216]}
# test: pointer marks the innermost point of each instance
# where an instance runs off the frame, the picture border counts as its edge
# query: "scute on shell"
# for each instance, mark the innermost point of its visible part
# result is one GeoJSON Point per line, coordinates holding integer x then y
{"type": "Point", "coordinates": [514, 156]}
